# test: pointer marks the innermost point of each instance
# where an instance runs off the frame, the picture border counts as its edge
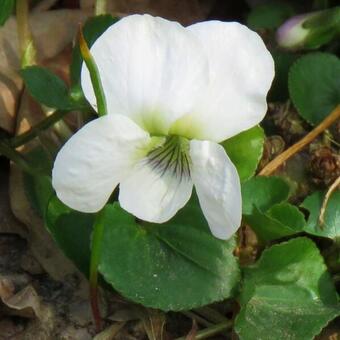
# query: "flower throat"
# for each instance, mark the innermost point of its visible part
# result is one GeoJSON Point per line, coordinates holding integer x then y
{"type": "Point", "coordinates": [172, 157]}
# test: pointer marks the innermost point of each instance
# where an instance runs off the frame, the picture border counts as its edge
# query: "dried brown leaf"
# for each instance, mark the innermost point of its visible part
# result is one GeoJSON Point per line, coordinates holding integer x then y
{"type": "Point", "coordinates": [52, 32]}
{"type": "Point", "coordinates": [8, 223]}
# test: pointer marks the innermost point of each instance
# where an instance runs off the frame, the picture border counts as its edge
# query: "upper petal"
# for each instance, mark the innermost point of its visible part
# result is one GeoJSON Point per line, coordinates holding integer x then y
{"type": "Point", "coordinates": [153, 195]}
{"type": "Point", "coordinates": [93, 161]}
{"type": "Point", "coordinates": [241, 70]}
{"type": "Point", "coordinates": [152, 70]}
{"type": "Point", "coordinates": [218, 187]}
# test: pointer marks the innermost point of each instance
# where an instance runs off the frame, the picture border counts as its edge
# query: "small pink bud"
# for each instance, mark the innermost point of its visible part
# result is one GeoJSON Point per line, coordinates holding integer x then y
{"type": "Point", "coordinates": [292, 34]}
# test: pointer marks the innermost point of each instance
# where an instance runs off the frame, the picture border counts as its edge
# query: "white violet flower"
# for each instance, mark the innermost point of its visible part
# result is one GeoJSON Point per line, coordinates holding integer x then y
{"type": "Point", "coordinates": [172, 94]}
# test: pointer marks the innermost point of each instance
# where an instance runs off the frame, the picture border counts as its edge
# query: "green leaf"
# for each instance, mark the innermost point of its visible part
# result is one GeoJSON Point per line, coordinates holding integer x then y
{"type": "Point", "coordinates": [245, 151]}
{"type": "Point", "coordinates": [314, 85]}
{"type": "Point", "coordinates": [265, 208]}
{"type": "Point", "coordinates": [38, 188]}
{"type": "Point", "coordinates": [72, 232]}
{"type": "Point", "coordinates": [6, 9]}
{"type": "Point", "coordinates": [47, 88]}
{"type": "Point", "coordinates": [263, 193]}
{"type": "Point", "coordinates": [70, 229]}
{"type": "Point", "coordinates": [287, 294]}
{"type": "Point", "coordinates": [39, 191]}
{"type": "Point", "coordinates": [279, 221]}
{"type": "Point", "coordinates": [269, 16]}
{"type": "Point", "coordinates": [331, 226]}
{"type": "Point", "coordinates": [173, 266]}
{"type": "Point", "coordinates": [93, 28]}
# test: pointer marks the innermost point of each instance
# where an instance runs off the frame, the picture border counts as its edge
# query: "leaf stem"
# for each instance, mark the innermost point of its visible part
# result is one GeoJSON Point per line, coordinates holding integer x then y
{"type": "Point", "coordinates": [197, 318]}
{"type": "Point", "coordinates": [94, 74]}
{"type": "Point", "coordinates": [16, 157]}
{"type": "Point", "coordinates": [211, 331]}
{"type": "Point", "coordinates": [36, 129]}
{"type": "Point", "coordinates": [328, 195]}
{"type": "Point", "coordinates": [98, 231]}
{"type": "Point", "coordinates": [284, 156]}
{"type": "Point", "coordinates": [211, 314]}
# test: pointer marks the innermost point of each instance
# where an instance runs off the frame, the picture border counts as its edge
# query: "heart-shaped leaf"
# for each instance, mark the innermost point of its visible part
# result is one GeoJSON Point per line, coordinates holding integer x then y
{"type": "Point", "coordinates": [173, 266]}
{"type": "Point", "coordinates": [314, 85]}
{"type": "Point", "coordinates": [287, 294]}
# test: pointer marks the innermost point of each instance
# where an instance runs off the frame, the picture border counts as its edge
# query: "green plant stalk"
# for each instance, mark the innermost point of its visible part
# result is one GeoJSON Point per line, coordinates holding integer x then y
{"type": "Point", "coordinates": [98, 231]}
{"type": "Point", "coordinates": [211, 314]}
{"type": "Point", "coordinates": [94, 74]}
{"type": "Point", "coordinates": [37, 129]}
{"type": "Point", "coordinates": [211, 331]}
{"type": "Point", "coordinates": [100, 7]}
{"type": "Point", "coordinates": [17, 158]}
{"type": "Point", "coordinates": [197, 318]}
{"type": "Point", "coordinates": [26, 44]}
{"type": "Point", "coordinates": [98, 227]}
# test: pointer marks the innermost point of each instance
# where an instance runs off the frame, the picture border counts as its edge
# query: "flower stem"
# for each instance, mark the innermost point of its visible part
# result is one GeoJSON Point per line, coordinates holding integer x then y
{"type": "Point", "coordinates": [98, 230]}
{"type": "Point", "coordinates": [211, 331]}
{"type": "Point", "coordinates": [26, 44]}
{"type": "Point", "coordinates": [100, 7]}
{"type": "Point", "coordinates": [284, 156]}
{"type": "Point", "coordinates": [94, 74]}
{"type": "Point", "coordinates": [16, 157]}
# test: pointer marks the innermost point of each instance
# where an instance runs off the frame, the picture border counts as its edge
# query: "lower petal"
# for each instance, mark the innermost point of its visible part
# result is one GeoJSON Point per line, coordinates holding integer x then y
{"type": "Point", "coordinates": [94, 160]}
{"type": "Point", "coordinates": [152, 194]}
{"type": "Point", "coordinates": [218, 187]}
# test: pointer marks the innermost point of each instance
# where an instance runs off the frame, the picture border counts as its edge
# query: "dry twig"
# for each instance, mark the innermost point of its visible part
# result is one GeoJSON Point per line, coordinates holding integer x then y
{"type": "Point", "coordinates": [284, 156]}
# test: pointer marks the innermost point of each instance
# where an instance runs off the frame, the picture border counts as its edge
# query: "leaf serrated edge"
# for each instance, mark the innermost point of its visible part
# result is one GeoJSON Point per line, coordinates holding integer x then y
{"type": "Point", "coordinates": [166, 308]}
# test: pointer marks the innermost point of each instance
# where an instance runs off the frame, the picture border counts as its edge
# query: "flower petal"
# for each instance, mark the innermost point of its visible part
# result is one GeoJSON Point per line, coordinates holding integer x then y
{"type": "Point", "coordinates": [91, 164]}
{"type": "Point", "coordinates": [152, 195]}
{"type": "Point", "coordinates": [152, 70]}
{"type": "Point", "coordinates": [218, 187]}
{"type": "Point", "coordinates": [241, 71]}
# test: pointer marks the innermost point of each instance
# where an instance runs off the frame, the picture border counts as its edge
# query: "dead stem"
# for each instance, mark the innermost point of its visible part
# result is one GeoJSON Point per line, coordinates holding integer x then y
{"type": "Point", "coordinates": [284, 156]}
{"type": "Point", "coordinates": [329, 193]}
